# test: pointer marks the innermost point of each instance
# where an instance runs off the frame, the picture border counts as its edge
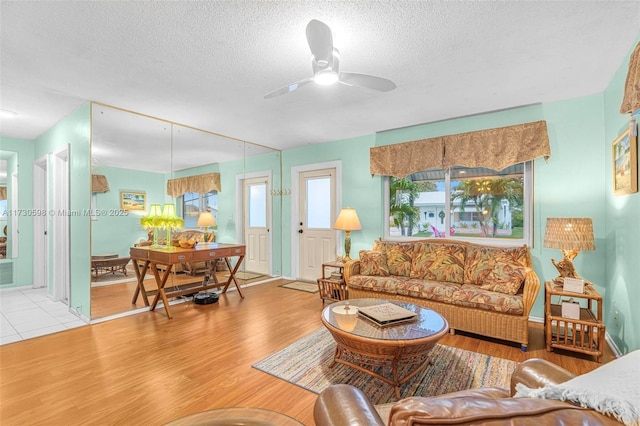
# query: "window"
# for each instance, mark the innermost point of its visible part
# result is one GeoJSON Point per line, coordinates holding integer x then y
{"type": "Point", "coordinates": [463, 203]}
{"type": "Point", "coordinates": [194, 203]}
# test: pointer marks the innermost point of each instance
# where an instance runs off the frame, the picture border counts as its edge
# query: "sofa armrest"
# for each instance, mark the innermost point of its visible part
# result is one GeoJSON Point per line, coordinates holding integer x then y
{"type": "Point", "coordinates": [352, 267]}
{"type": "Point", "coordinates": [345, 405]}
{"type": "Point", "coordinates": [536, 373]}
{"type": "Point", "coordinates": [530, 292]}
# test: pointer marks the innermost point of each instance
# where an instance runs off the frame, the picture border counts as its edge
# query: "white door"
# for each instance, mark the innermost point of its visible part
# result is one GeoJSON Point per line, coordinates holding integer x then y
{"type": "Point", "coordinates": [317, 238]}
{"type": "Point", "coordinates": [256, 224]}
{"type": "Point", "coordinates": [40, 224]}
{"type": "Point", "coordinates": [60, 192]}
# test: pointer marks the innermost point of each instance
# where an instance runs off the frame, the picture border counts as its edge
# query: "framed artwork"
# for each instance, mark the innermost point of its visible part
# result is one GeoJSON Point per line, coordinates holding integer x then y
{"type": "Point", "coordinates": [133, 201]}
{"type": "Point", "coordinates": [625, 162]}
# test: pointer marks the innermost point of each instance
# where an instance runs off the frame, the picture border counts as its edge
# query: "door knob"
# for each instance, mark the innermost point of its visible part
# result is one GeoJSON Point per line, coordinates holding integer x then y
{"type": "Point", "coordinates": [300, 231]}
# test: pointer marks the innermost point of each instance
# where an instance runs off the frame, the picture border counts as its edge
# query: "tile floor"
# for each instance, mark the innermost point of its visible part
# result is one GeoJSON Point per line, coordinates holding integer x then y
{"type": "Point", "coordinates": [28, 312]}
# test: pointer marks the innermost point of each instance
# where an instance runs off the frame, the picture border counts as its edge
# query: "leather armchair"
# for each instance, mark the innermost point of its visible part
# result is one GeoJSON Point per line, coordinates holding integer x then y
{"type": "Point", "coordinates": [347, 405]}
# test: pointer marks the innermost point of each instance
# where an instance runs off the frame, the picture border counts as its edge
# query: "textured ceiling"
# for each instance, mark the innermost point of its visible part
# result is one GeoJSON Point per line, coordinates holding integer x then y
{"type": "Point", "coordinates": [208, 64]}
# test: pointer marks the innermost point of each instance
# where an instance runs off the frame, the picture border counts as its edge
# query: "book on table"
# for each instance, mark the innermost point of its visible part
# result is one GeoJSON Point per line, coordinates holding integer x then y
{"type": "Point", "coordinates": [387, 314]}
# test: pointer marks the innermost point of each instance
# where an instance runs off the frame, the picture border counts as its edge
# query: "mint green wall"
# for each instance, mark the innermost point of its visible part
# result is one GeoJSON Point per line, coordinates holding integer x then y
{"type": "Point", "coordinates": [227, 215]}
{"type": "Point", "coordinates": [359, 189]}
{"type": "Point", "coordinates": [75, 130]}
{"type": "Point", "coordinates": [570, 184]}
{"type": "Point", "coordinates": [23, 265]}
{"type": "Point", "coordinates": [622, 231]}
{"type": "Point", "coordinates": [103, 238]}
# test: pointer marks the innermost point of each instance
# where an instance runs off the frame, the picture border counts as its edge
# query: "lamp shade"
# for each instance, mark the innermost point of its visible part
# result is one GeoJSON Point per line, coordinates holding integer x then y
{"type": "Point", "coordinates": [169, 211]}
{"type": "Point", "coordinates": [347, 220]}
{"type": "Point", "coordinates": [569, 233]}
{"type": "Point", "coordinates": [155, 210]}
{"type": "Point", "coordinates": [206, 219]}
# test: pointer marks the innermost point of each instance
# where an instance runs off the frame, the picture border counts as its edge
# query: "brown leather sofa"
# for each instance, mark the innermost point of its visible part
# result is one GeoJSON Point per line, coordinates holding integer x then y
{"type": "Point", "coordinates": [347, 405]}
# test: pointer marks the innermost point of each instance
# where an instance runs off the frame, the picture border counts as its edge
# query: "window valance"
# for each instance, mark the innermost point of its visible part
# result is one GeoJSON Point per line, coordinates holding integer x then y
{"type": "Point", "coordinates": [402, 159]}
{"type": "Point", "coordinates": [99, 183]}
{"type": "Point", "coordinates": [631, 97]}
{"type": "Point", "coordinates": [198, 183]}
{"type": "Point", "coordinates": [3, 192]}
{"type": "Point", "coordinates": [494, 149]}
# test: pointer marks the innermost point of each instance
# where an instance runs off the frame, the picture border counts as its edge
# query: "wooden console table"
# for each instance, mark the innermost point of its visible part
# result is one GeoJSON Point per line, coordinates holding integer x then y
{"type": "Point", "coordinates": [145, 258]}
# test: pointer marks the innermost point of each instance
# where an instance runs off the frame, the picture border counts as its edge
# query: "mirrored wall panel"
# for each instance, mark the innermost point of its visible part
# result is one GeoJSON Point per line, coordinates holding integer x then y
{"type": "Point", "coordinates": [141, 165]}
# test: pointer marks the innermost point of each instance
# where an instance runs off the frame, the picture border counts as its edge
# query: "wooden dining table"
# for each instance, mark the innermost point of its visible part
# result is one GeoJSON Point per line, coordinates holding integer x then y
{"type": "Point", "coordinates": [149, 258]}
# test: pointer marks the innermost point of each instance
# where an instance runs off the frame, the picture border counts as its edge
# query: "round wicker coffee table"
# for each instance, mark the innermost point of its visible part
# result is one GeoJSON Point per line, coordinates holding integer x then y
{"type": "Point", "coordinates": [392, 353]}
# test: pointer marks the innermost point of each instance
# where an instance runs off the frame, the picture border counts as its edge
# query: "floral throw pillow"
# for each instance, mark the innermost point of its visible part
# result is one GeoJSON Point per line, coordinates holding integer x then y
{"type": "Point", "coordinates": [497, 269]}
{"type": "Point", "coordinates": [439, 262]}
{"type": "Point", "coordinates": [373, 263]}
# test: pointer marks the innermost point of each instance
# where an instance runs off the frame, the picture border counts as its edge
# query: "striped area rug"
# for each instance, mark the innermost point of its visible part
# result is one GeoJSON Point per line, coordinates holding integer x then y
{"type": "Point", "coordinates": [306, 363]}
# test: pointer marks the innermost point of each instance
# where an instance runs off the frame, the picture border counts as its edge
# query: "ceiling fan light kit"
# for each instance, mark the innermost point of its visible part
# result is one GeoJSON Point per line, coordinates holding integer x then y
{"type": "Point", "coordinates": [325, 63]}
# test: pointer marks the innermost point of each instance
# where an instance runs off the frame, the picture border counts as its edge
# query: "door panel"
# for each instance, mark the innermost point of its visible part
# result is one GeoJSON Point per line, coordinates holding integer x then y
{"type": "Point", "coordinates": [317, 238]}
{"type": "Point", "coordinates": [256, 222]}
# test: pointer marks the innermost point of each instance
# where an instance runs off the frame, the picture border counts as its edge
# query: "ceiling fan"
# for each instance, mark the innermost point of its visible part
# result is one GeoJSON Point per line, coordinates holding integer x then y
{"type": "Point", "coordinates": [325, 62]}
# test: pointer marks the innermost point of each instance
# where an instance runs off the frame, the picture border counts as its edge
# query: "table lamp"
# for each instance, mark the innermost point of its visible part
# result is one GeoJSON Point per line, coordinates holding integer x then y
{"type": "Point", "coordinates": [170, 220]}
{"type": "Point", "coordinates": [152, 220]}
{"type": "Point", "coordinates": [206, 220]}
{"type": "Point", "coordinates": [571, 235]}
{"type": "Point", "coordinates": [347, 221]}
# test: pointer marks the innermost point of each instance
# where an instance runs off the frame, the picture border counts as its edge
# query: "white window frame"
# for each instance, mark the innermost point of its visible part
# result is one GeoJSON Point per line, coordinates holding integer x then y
{"type": "Point", "coordinates": [200, 204]}
{"type": "Point", "coordinates": [527, 234]}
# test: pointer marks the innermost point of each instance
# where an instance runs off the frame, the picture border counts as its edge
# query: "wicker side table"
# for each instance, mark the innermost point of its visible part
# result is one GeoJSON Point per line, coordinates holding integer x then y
{"type": "Point", "coordinates": [584, 334]}
{"type": "Point", "coordinates": [332, 285]}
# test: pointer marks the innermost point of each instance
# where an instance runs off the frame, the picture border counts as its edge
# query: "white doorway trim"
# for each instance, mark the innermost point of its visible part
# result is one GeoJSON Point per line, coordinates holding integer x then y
{"type": "Point", "coordinates": [295, 203]}
{"type": "Point", "coordinates": [61, 228]}
{"type": "Point", "coordinates": [14, 218]}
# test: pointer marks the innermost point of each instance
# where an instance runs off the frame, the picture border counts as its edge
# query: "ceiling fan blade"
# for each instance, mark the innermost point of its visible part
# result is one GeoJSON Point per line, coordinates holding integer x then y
{"type": "Point", "coordinates": [288, 88]}
{"type": "Point", "coordinates": [320, 41]}
{"type": "Point", "coordinates": [367, 81]}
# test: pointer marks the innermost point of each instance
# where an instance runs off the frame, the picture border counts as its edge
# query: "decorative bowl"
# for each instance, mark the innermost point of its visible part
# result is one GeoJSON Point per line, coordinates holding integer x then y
{"type": "Point", "coordinates": [187, 244]}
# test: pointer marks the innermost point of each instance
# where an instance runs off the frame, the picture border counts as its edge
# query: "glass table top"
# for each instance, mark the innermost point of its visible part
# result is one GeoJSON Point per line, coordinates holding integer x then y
{"type": "Point", "coordinates": [427, 323]}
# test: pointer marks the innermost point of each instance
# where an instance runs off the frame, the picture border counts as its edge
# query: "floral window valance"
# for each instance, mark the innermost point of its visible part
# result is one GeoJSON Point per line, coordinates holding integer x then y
{"type": "Point", "coordinates": [3, 193]}
{"type": "Point", "coordinates": [99, 183]}
{"type": "Point", "coordinates": [494, 149]}
{"type": "Point", "coordinates": [199, 183]}
{"type": "Point", "coordinates": [631, 97]}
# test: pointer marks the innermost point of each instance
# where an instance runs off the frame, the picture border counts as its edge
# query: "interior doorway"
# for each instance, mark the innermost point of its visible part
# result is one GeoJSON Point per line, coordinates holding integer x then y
{"type": "Point", "coordinates": [314, 205]}
{"type": "Point", "coordinates": [60, 225]}
{"type": "Point", "coordinates": [40, 224]}
{"type": "Point", "coordinates": [51, 239]}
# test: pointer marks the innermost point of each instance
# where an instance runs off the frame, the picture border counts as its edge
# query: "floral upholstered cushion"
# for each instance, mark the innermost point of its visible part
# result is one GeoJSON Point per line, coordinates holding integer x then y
{"type": "Point", "coordinates": [398, 256]}
{"type": "Point", "coordinates": [430, 290]}
{"type": "Point", "coordinates": [439, 262]}
{"type": "Point", "coordinates": [475, 297]}
{"type": "Point", "coordinates": [496, 268]}
{"type": "Point", "coordinates": [373, 283]}
{"type": "Point", "coordinates": [373, 263]}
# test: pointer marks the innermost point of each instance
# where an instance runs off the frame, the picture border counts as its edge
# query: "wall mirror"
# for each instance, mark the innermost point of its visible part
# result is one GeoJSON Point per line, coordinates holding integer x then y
{"type": "Point", "coordinates": [133, 158]}
{"type": "Point", "coordinates": [8, 204]}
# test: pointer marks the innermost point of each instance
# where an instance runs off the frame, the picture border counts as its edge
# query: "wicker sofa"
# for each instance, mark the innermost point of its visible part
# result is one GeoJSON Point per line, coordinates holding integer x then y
{"type": "Point", "coordinates": [478, 288]}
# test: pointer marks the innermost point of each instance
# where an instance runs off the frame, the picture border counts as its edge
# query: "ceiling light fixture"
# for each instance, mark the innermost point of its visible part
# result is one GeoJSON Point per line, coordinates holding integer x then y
{"type": "Point", "coordinates": [326, 77]}
{"type": "Point", "coordinates": [5, 113]}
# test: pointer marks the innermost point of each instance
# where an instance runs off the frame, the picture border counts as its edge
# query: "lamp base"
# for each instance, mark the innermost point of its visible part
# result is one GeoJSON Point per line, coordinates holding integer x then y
{"type": "Point", "coordinates": [565, 266]}
{"type": "Point", "coordinates": [205, 298]}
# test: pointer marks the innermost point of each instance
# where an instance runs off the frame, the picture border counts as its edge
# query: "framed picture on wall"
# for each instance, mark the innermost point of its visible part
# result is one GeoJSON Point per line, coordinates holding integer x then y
{"type": "Point", "coordinates": [132, 200]}
{"type": "Point", "coordinates": [625, 162]}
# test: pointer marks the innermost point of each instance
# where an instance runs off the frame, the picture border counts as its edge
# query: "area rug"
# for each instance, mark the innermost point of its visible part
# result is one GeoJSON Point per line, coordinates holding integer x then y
{"type": "Point", "coordinates": [302, 286]}
{"type": "Point", "coordinates": [305, 363]}
{"type": "Point", "coordinates": [245, 275]}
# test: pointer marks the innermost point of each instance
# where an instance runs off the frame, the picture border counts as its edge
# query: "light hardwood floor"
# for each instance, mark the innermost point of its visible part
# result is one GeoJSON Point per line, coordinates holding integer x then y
{"type": "Point", "coordinates": [146, 369]}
